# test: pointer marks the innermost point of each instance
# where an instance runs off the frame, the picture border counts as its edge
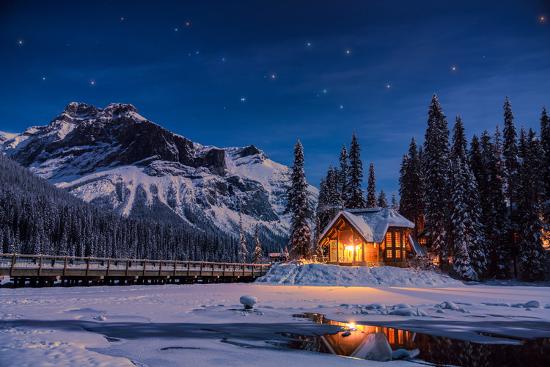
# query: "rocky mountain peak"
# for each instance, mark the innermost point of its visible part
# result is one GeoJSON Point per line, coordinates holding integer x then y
{"type": "Point", "coordinates": [79, 109]}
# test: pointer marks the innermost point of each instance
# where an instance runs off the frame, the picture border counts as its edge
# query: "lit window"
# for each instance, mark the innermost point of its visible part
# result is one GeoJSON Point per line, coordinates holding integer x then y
{"type": "Point", "coordinates": [389, 254]}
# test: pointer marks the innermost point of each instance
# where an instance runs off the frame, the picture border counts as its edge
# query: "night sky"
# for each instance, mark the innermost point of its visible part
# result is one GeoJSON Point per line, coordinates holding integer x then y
{"type": "Point", "coordinates": [232, 73]}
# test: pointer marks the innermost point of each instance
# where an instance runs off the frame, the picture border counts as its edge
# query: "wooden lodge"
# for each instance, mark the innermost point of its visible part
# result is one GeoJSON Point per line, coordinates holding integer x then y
{"type": "Point", "coordinates": [374, 236]}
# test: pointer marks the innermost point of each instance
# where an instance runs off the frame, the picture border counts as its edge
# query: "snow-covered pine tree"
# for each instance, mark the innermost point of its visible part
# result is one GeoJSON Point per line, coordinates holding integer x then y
{"type": "Point", "coordinates": [494, 214]}
{"type": "Point", "coordinates": [343, 173]}
{"type": "Point", "coordinates": [258, 252]}
{"type": "Point", "coordinates": [531, 253]}
{"type": "Point", "coordinates": [511, 168]}
{"type": "Point", "coordinates": [394, 202]}
{"type": "Point", "coordinates": [411, 204]}
{"type": "Point", "coordinates": [545, 145]}
{"type": "Point", "coordinates": [243, 248]}
{"type": "Point", "coordinates": [333, 194]}
{"type": "Point", "coordinates": [436, 180]}
{"type": "Point", "coordinates": [300, 233]}
{"type": "Point", "coordinates": [466, 235]}
{"type": "Point", "coordinates": [329, 201]}
{"type": "Point", "coordinates": [382, 201]}
{"type": "Point", "coordinates": [371, 188]}
{"type": "Point", "coordinates": [322, 204]}
{"type": "Point", "coordinates": [355, 197]}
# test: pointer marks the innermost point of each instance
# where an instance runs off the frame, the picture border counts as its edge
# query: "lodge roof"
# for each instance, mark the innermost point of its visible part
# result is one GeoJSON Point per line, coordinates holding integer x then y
{"type": "Point", "coordinates": [371, 223]}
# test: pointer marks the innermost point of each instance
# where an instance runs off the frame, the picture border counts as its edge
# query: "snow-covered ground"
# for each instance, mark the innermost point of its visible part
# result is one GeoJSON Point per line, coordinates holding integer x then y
{"type": "Point", "coordinates": [322, 274]}
{"type": "Point", "coordinates": [204, 325]}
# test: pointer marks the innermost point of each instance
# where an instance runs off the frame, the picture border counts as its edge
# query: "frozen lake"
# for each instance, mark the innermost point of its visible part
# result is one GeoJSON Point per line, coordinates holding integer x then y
{"type": "Point", "coordinates": [204, 325]}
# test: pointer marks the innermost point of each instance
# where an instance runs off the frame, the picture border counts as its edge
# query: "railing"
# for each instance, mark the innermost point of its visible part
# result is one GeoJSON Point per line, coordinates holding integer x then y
{"type": "Point", "coordinates": [17, 265]}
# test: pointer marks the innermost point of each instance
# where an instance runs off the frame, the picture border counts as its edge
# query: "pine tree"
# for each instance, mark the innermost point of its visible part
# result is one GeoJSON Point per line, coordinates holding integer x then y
{"type": "Point", "coordinates": [355, 197]}
{"type": "Point", "coordinates": [343, 174]}
{"type": "Point", "coordinates": [258, 252]}
{"type": "Point", "coordinates": [531, 253]}
{"type": "Point", "coordinates": [436, 180]}
{"type": "Point", "coordinates": [371, 188]}
{"type": "Point", "coordinates": [382, 202]}
{"type": "Point", "coordinates": [300, 234]}
{"type": "Point", "coordinates": [320, 211]}
{"type": "Point", "coordinates": [394, 202]}
{"type": "Point", "coordinates": [411, 204]}
{"type": "Point", "coordinates": [511, 166]}
{"type": "Point", "coordinates": [329, 201]}
{"type": "Point", "coordinates": [466, 235]}
{"type": "Point", "coordinates": [545, 174]}
{"type": "Point", "coordinates": [487, 157]}
{"type": "Point", "coordinates": [243, 248]}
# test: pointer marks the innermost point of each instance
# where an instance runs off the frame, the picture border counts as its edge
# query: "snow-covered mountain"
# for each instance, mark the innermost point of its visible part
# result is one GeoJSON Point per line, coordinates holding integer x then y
{"type": "Point", "coordinates": [114, 157]}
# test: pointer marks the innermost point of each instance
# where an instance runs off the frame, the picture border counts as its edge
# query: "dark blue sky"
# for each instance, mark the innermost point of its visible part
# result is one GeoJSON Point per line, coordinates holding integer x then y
{"type": "Point", "coordinates": [314, 70]}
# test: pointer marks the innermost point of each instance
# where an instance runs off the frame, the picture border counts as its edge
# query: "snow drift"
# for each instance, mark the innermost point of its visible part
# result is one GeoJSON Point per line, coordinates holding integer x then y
{"type": "Point", "coordinates": [335, 275]}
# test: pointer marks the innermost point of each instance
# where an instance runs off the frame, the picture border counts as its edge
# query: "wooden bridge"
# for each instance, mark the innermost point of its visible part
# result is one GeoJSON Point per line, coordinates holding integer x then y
{"type": "Point", "coordinates": [43, 270]}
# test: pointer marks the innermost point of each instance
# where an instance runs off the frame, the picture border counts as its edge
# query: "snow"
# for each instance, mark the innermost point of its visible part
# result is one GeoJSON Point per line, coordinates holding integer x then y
{"type": "Point", "coordinates": [248, 301]}
{"type": "Point", "coordinates": [327, 275]}
{"type": "Point", "coordinates": [375, 347]}
{"type": "Point", "coordinates": [204, 325]}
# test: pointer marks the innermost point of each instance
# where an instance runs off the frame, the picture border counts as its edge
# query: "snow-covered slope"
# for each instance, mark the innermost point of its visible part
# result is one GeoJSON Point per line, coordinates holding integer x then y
{"type": "Point", "coordinates": [6, 136]}
{"type": "Point", "coordinates": [333, 275]}
{"type": "Point", "coordinates": [116, 158]}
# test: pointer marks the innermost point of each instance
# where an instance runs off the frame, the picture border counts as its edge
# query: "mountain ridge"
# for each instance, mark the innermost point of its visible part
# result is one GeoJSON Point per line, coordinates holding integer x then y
{"type": "Point", "coordinates": [116, 158]}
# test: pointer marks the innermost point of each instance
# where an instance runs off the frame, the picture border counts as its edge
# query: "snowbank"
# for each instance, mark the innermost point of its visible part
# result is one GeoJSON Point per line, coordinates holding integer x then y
{"type": "Point", "coordinates": [322, 274]}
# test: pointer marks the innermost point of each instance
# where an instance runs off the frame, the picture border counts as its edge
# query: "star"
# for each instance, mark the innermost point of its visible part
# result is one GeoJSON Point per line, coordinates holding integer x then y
{"type": "Point", "coordinates": [20, 42]}
{"type": "Point", "coordinates": [243, 99]}
{"type": "Point", "coordinates": [325, 91]}
{"type": "Point", "coordinates": [92, 82]}
{"type": "Point", "coordinates": [454, 68]}
{"type": "Point", "coordinates": [122, 19]}
{"type": "Point", "coordinates": [341, 107]}
{"type": "Point", "coordinates": [197, 52]}
{"type": "Point", "coordinates": [273, 76]}
{"type": "Point", "coordinates": [542, 19]}
{"type": "Point", "coordinates": [188, 23]}
{"type": "Point", "coordinates": [176, 29]}
{"type": "Point", "coordinates": [43, 78]}
{"type": "Point", "coordinates": [308, 44]}
{"type": "Point", "coordinates": [388, 86]}
{"type": "Point", "coordinates": [348, 52]}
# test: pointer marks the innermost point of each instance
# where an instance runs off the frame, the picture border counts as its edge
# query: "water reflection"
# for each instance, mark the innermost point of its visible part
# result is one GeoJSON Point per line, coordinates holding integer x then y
{"type": "Point", "coordinates": [434, 349]}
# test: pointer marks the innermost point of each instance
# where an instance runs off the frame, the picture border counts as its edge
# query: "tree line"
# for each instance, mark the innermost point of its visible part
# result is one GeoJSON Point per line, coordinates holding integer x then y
{"type": "Point", "coordinates": [38, 218]}
{"type": "Point", "coordinates": [482, 207]}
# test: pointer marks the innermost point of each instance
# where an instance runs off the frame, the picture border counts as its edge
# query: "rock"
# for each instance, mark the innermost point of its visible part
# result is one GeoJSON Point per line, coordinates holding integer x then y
{"type": "Point", "coordinates": [248, 302]}
{"type": "Point", "coordinates": [448, 305]}
{"type": "Point", "coordinates": [532, 304]}
{"type": "Point", "coordinates": [375, 348]}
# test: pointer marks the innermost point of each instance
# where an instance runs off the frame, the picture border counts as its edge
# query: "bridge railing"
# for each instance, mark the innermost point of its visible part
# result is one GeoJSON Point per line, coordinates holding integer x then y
{"type": "Point", "coordinates": [46, 265]}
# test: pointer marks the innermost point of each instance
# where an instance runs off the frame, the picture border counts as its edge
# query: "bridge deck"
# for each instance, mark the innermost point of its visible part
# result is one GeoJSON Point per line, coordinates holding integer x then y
{"type": "Point", "coordinates": [36, 268]}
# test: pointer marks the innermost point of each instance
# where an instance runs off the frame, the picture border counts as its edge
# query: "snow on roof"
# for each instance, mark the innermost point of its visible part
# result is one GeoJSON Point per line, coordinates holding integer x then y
{"type": "Point", "coordinates": [372, 223]}
{"type": "Point", "coordinates": [417, 248]}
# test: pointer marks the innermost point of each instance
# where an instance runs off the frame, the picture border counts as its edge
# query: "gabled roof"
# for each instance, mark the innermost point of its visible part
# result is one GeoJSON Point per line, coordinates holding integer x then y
{"type": "Point", "coordinates": [373, 223]}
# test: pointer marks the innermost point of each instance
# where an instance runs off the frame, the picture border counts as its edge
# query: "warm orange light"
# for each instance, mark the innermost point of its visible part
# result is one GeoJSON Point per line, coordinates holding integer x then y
{"type": "Point", "coordinates": [351, 248]}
